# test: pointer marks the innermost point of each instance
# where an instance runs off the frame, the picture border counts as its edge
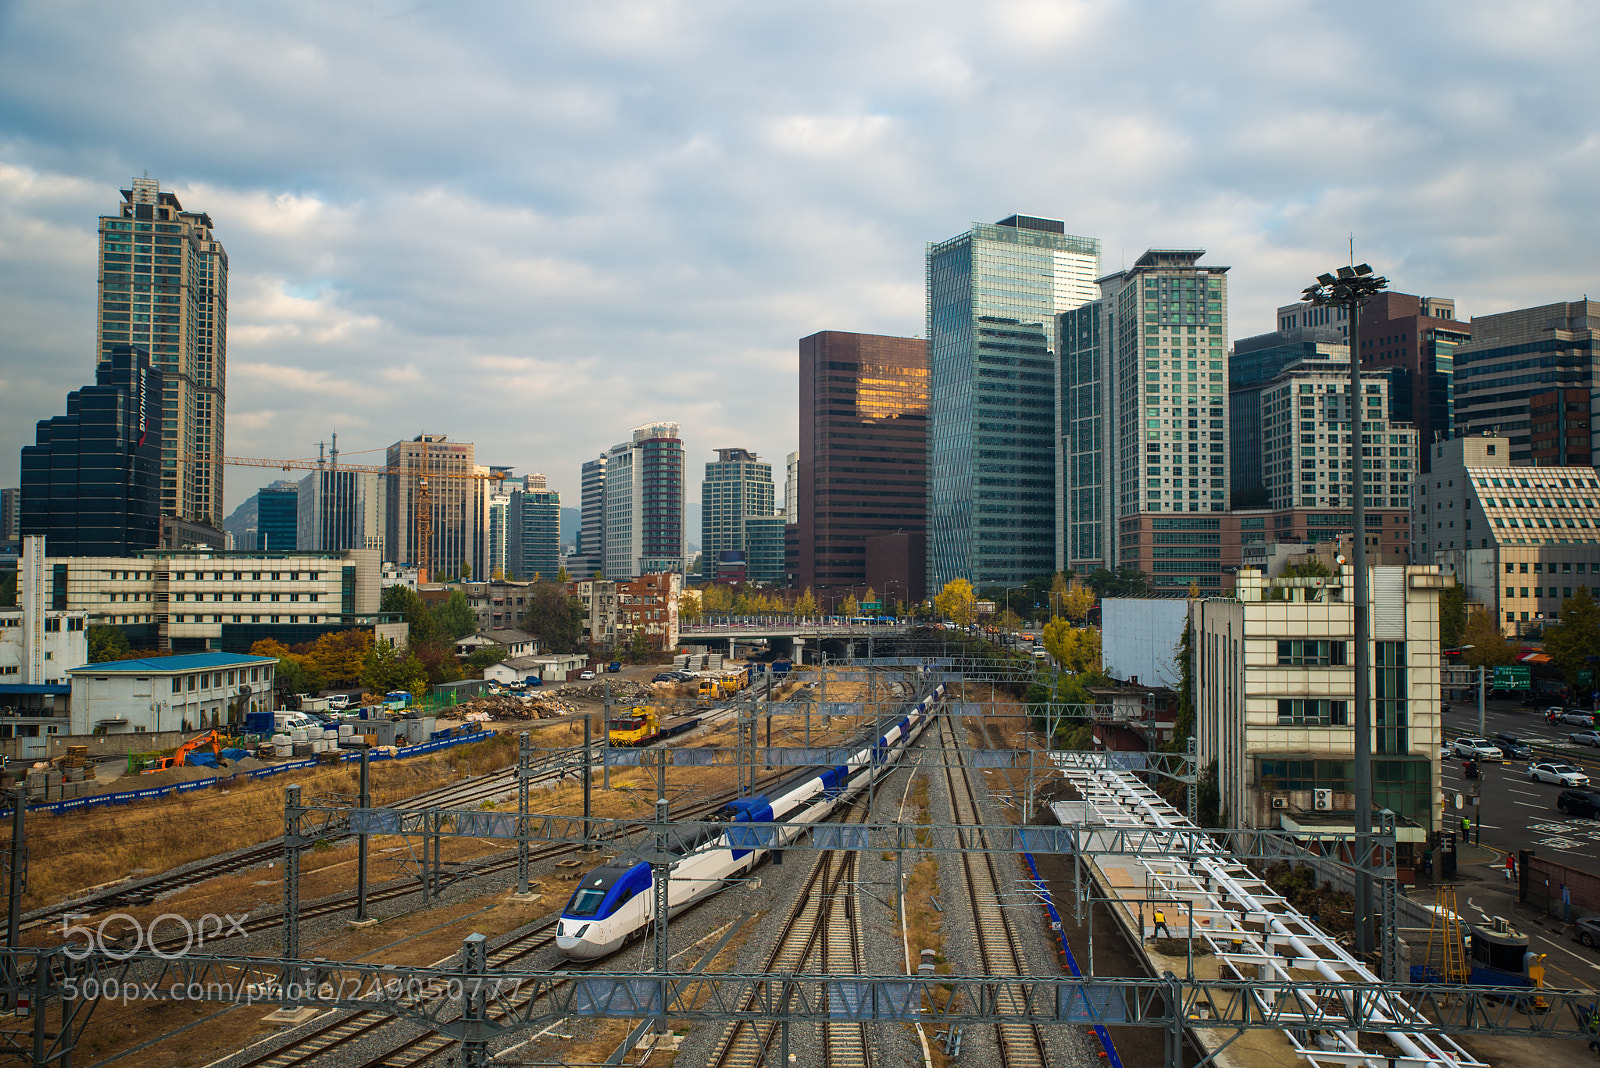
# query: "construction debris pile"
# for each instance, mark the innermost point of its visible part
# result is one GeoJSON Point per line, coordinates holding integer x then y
{"type": "Point", "coordinates": [621, 692]}
{"type": "Point", "coordinates": [536, 705]}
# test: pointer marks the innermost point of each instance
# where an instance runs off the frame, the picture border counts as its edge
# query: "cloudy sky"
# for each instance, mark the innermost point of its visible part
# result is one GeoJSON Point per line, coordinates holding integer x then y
{"type": "Point", "coordinates": [535, 225]}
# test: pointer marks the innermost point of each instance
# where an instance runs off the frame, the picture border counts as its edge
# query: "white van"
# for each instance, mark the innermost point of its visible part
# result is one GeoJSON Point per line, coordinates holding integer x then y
{"type": "Point", "coordinates": [284, 722]}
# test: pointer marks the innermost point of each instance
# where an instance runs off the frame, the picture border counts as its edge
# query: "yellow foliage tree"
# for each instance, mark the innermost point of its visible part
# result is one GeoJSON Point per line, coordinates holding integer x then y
{"type": "Point", "coordinates": [956, 602]}
{"type": "Point", "coordinates": [1074, 648]}
{"type": "Point", "coordinates": [339, 657]}
{"type": "Point", "coordinates": [850, 608]}
{"type": "Point", "coordinates": [806, 605]}
{"type": "Point", "coordinates": [1076, 601]}
{"type": "Point", "coordinates": [688, 608]}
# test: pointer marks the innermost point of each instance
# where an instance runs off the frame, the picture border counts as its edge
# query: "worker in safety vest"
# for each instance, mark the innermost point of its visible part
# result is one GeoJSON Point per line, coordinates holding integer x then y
{"type": "Point", "coordinates": [1161, 925]}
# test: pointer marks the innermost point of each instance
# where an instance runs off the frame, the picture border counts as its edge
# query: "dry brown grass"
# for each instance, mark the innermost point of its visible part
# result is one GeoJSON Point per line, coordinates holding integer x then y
{"type": "Point", "coordinates": [73, 851]}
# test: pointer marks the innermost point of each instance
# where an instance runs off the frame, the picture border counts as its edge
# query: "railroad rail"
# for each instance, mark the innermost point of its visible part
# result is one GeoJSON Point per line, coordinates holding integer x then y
{"type": "Point", "coordinates": [822, 924]}
{"type": "Point", "coordinates": [1020, 1045]}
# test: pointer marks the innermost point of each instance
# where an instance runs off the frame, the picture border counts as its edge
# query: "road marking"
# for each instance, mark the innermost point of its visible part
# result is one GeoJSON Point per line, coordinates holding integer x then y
{"type": "Point", "coordinates": [1525, 804]}
{"type": "Point", "coordinates": [1524, 793]}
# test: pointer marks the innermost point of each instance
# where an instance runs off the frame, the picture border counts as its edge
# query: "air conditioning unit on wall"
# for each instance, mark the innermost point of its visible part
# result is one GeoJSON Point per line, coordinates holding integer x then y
{"type": "Point", "coordinates": [1280, 802]}
{"type": "Point", "coordinates": [1322, 800]}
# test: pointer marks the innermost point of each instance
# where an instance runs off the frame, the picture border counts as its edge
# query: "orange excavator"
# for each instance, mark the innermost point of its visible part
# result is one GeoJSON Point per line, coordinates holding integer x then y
{"type": "Point", "coordinates": [210, 740]}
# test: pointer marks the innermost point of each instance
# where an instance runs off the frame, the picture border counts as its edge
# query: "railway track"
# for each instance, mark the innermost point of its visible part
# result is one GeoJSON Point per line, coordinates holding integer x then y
{"type": "Point", "coordinates": [1020, 1045]}
{"type": "Point", "coordinates": [823, 925]}
{"type": "Point", "coordinates": [145, 892]}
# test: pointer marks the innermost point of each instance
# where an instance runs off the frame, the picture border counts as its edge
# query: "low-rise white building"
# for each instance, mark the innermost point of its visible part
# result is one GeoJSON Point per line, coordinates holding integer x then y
{"type": "Point", "coordinates": [553, 667]}
{"type": "Point", "coordinates": [170, 693]}
{"type": "Point", "coordinates": [1274, 683]}
{"type": "Point", "coordinates": [39, 643]}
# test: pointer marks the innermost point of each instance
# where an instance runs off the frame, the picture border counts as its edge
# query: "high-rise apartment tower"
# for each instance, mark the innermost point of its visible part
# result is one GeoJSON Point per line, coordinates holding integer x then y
{"type": "Point", "coordinates": [163, 288]}
{"type": "Point", "coordinates": [644, 503]}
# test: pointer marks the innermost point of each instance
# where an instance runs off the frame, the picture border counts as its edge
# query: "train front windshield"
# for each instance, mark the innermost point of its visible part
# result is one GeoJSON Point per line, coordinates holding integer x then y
{"type": "Point", "coordinates": [586, 902]}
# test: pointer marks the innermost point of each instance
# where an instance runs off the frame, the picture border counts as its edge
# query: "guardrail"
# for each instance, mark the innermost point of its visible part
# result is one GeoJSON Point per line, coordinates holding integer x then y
{"type": "Point", "coordinates": [124, 797]}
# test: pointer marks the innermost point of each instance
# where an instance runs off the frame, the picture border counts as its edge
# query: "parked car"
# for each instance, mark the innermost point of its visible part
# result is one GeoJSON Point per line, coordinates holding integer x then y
{"type": "Point", "coordinates": [1560, 774]}
{"type": "Point", "coordinates": [1587, 931]}
{"type": "Point", "coordinates": [1576, 716]}
{"type": "Point", "coordinates": [1480, 748]}
{"type": "Point", "coordinates": [1590, 738]}
{"type": "Point", "coordinates": [586, 675]}
{"type": "Point", "coordinates": [665, 676]}
{"type": "Point", "coordinates": [1512, 746]}
{"type": "Point", "coordinates": [1578, 803]}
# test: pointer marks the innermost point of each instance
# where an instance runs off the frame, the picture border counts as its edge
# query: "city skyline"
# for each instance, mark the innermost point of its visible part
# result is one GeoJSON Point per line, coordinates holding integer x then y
{"type": "Point", "coordinates": [581, 211]}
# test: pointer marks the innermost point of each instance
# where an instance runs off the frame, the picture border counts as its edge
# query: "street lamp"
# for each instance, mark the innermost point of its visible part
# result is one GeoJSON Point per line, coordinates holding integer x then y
{"type": "Point", "coordinates": [1349, 288]}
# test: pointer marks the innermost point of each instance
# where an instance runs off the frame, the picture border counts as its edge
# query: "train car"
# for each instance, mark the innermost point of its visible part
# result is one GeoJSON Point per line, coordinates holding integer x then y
{"type": "Point", "coordinates": [646, 724]}
{"type": "Point", "coordinates": [614, 903]}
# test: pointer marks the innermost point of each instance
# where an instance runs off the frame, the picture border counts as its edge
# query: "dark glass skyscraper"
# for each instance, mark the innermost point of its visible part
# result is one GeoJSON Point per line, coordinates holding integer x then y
{"type": "Point", "coordinates": [91, 483]}
{"type": "Point", "coordinates": [277, 515]}
{"type": "Point", "coordinates": [993, 390]}
{"type": "Point", "coordinates": [863, 453]}
{"type": "Point", "coordinates": [534, 538]}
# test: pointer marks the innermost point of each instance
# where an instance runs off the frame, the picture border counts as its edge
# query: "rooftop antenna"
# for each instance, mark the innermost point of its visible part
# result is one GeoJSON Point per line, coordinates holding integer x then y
{"type": "Point", "coordinates": [334, 452]}
{"type": "Point", "coordinates": [1352, 248]}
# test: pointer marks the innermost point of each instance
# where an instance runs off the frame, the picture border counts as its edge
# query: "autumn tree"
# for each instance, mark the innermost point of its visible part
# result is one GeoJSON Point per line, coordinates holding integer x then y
{"type": "Point", "coordinates": [1575, 640]}
{"type": "Point", "coordinates": [562, 576]}
{"type": "Point", "coordinates": [408, 603]}
{"type": "Point", "coordinates": [555, 618]}
{"type": "Point", "coordinates": [380, 671]}
{"type": "Point", "coordinates": [688, 608]}
{"type": "Point", "coordinates": [1075, 649]}
{"type": "Point", "coordinates": [1489, 645]}
{"type": "Point", "coordinates": [339, 657]}
{"type": "Point", "coordinates": [1076, 600]}
{"type": "Point", "coordinates": [957, 603]}
{"type": "Point", "coordinates": [106, 644]}
{"type": "Point", "coordinates": [292, 672]}
{"type": "Point", "coordinates": [850, 608]}
{"type": "Point", "coordinates": [1452, 616]}
{"type": "Point", "coordinates": [806, 606]}
{"type": "Point", "coordinates": [454, 618]}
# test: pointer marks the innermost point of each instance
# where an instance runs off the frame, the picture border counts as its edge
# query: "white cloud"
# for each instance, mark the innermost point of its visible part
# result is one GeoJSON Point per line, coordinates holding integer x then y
{"type": "Point", "coordinates": [535, 226]}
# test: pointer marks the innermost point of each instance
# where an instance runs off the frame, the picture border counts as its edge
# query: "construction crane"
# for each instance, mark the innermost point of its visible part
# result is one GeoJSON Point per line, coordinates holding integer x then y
{"type": "Point", "coordinates": [424, 496]}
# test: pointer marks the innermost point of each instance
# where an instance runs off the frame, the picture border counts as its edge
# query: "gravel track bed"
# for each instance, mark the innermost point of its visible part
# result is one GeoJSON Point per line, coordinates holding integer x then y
{"type": "Point", "coordinates": [1065, 1045]}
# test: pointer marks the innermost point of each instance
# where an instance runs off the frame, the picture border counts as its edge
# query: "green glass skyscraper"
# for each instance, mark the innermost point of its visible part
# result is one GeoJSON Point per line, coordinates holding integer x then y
{"type": "Point", "coordinates": [993, 453]}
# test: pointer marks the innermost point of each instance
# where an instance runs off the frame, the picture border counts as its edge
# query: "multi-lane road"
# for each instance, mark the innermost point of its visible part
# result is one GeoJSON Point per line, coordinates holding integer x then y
{"type": "Point", "coordinates": [1515, 812]}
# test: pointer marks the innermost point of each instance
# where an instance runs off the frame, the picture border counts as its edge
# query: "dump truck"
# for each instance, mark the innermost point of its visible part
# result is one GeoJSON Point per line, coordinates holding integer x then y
{"type": "Point", "coordinates": [645, 724]}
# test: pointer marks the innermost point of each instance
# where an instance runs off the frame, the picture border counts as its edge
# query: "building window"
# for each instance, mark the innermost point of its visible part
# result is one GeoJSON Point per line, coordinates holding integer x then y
{"type": "Point", "coordinates": [1312, 712]}
{"type": "Point", "coordinates": [1390, 690]}
{"type": "Point", "coordinates": [1311, 653]}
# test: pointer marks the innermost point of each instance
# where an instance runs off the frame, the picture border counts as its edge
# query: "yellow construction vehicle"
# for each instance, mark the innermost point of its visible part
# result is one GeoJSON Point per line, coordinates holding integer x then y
{"type": "Point", "coordinates": [645, 724]}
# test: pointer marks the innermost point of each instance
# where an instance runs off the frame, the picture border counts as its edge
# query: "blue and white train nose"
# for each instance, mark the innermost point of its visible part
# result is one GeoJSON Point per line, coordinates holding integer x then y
{"type": "Point", "coordinates": [572, 940]}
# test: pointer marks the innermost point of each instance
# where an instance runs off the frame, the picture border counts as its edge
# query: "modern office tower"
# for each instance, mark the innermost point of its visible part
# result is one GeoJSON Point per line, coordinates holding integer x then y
{"type": "Point", "coordinates": [11, 516]}
{"type": "Point", "coordinates": [791, 488]}
{"type": "Point", "coordinates": [589, 554]}
{"type": "Point", "coordinates": [1087, 527]}
{"type": "Point", "coordinates": [737, 487]}
{"type": "Point", "coordinates": [339, 509]}
{"type": "Point", "coordinates": [1255, 362]}
{"type": "Point", "coordinates": [994, 293]}
{"type": "Point", "coordinates": [1517, 355]}
{"type": "Point", "coordinates": [1308, 449]}
{"type": "Point", "coordinates": [496, 523]}
{"type": "Point", "coordinates": [644, 503]}
{"type": "Point", "coordinates": [277, 517]}
{"type": "Point", "coordinates": [1561, 427]}
{"type": "Point", "coordinates": [1165, 448]}
{"type": "Point", "coordinates": [164, 289]}
{"type": "Point", "coordinates": [1416, 336]}
{"type": "Point", "coordinates": [764, 549]}
{"type": "Point", "coordinates": [1522, 539]}
{"type": "Point", "coordinates": [455, 504]}
{"type": "Point", "coordinates": [535, 531]}
{"type": "Point", "coordinates": [91, 482]}
{"type": "Point", "coordinates": [862, 464]}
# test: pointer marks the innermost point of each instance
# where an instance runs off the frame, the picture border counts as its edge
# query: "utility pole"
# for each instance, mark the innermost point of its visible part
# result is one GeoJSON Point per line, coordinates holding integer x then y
{"type": "Point", "coordinates": [361, 841]}
{"type": "Point", "coordinates": [1350, 288]}
{"type": "Point", "coordinates": [524, 770]}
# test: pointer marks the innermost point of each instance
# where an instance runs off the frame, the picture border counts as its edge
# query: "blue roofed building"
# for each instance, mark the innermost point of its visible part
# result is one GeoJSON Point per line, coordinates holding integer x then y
{"type": "Point", "coordinates": [170, 693]}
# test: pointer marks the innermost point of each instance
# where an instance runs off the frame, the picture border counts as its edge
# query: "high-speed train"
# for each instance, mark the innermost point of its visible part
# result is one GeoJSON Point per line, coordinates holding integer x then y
{"type": "Point", "coordinates": [614, 903]}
